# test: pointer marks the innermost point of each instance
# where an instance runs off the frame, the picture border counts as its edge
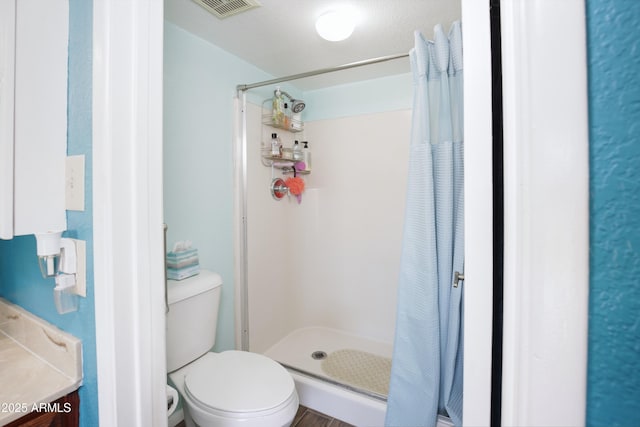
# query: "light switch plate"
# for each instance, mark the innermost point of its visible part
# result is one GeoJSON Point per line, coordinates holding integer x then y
{"type": "Point", "coordinates": [74, 183]}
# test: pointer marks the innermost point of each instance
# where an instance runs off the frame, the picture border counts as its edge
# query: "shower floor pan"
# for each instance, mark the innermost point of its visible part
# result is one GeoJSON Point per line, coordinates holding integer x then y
{"type": "Point", "coordinates": [339, 374]}
{"type": "Point", "coordinates": [299, 351]}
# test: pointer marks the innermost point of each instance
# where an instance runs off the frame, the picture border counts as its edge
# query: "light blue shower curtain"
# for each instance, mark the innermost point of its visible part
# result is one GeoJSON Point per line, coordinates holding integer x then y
{"type": "Point", "coordinates": [426, 373]}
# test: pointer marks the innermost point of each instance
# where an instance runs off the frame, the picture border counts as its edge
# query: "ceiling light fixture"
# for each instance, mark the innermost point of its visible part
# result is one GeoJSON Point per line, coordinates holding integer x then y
{"type": "Point", "coordinates": [335, 25]}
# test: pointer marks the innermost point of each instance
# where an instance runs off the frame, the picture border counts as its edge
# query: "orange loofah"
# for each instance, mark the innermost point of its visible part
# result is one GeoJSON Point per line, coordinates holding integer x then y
{"type": "Point", "coordinates": [295, 185]}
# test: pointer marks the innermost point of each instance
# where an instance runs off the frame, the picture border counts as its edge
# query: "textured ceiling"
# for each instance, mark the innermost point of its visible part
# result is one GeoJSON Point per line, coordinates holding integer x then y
{"type": "Point", "coordinates": [279, 37]}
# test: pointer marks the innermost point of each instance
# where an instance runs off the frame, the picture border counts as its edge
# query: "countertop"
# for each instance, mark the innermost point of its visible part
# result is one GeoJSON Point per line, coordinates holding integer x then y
{"type": "Point", "coordinates": [39, 363]}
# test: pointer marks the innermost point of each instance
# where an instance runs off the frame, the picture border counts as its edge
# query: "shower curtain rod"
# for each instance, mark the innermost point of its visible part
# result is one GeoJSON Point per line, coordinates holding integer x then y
{"type": "Point", "coordinates": [322, 71]}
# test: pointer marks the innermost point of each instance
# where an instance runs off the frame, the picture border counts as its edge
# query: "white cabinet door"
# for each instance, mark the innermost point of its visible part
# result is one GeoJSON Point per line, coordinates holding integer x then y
{"type": "Point", "coordinates": [39, 117]}
{"type": "Point", "coordinates": [7, 67]}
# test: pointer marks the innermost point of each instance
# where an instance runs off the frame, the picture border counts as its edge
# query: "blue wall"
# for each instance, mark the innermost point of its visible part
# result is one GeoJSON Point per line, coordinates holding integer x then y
{"type": "Point", "coordinates": [199, 87]}
{"type": "Point", "coordinates": [363, 97]}
{"type": "Point", "coordinates": [613, 395]}
{"type": "Point", "coordinates": [20, 279]}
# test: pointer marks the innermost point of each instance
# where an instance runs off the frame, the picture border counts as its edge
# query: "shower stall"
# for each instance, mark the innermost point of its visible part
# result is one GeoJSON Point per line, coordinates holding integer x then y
{"type": "Point", "coordinates": [318, 278]}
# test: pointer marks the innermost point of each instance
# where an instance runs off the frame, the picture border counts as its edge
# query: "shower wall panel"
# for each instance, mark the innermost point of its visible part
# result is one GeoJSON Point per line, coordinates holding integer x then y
{"type": "Point", "coordinates": [269, 246]}
{"type": "Point", "coordinates": [332, 260]}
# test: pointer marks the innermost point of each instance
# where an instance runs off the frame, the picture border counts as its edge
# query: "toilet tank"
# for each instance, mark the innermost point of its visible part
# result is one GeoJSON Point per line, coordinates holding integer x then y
{"type": "Point", "coordinates": [192, 317]}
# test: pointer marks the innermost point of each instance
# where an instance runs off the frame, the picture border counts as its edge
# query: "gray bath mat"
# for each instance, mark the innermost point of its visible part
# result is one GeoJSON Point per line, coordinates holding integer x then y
{"type": "Point", "coordinates": [359, 369]}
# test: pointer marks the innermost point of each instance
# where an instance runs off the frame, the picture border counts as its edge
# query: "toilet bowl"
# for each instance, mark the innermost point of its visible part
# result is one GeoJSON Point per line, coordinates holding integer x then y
{"type": "Point", "coordinates": [232, 388]}
{"type": "Point", "coordinates": [236, 388]}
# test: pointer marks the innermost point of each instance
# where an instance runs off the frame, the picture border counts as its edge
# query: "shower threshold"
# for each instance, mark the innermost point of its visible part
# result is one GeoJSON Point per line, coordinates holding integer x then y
{"type": "Point", "coordinates": [337, 383]}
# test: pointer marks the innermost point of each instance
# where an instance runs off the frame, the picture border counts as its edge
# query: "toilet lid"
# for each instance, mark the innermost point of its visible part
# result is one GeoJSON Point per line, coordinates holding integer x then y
{"type": "Point", "coordinates": [239, 381]}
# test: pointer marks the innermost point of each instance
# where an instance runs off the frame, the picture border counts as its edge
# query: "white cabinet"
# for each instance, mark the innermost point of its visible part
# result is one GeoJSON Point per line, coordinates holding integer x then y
{"type": "Point", "coordinates": [34, 36]}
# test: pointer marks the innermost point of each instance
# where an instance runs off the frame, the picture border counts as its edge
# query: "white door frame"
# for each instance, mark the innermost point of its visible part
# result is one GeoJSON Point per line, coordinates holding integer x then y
{"type": "Point", "coordinates": [546, 264]}
{"type": "Point", "coordinates": [127, 212]}
{"type": "Point", "coordinates": [127, 192]}
{"type": "Point", "coordinates": [546, 253]}
{"type": "Point", "coordinates": [478, 201]}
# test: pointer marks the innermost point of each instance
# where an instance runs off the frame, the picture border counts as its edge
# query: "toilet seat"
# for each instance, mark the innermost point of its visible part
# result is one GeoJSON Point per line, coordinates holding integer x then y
{"type": "Point", "coordinates": [248, 385]}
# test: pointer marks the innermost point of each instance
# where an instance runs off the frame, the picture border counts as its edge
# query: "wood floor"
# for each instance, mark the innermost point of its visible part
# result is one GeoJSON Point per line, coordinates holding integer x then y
{"type": "Point", "coordinates": [309, 418]}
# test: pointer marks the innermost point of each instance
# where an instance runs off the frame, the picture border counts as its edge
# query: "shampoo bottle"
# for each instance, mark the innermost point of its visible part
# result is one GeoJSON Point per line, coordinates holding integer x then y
{"type": "Point", "coordinates": [277, 113]}
{"type": "Point", "coordinates": [276, 145]}
{"type": "Point", "coordinates": [286, 117]}
{"type": "Point", "coordinates": [306, 155]}
{"type": "Point", "coordinates": [297, 151]}
{"type": "Point", "coordinates": [296, 121]}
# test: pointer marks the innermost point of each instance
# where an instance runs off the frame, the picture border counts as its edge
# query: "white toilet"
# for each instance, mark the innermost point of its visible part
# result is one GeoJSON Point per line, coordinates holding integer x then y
{"type": "Point", "coordinates": [232, 388]}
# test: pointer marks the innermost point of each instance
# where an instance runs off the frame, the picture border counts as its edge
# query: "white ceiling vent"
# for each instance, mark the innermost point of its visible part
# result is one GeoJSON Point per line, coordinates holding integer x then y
{"type": "Point", "coordinates": [225, 8]}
